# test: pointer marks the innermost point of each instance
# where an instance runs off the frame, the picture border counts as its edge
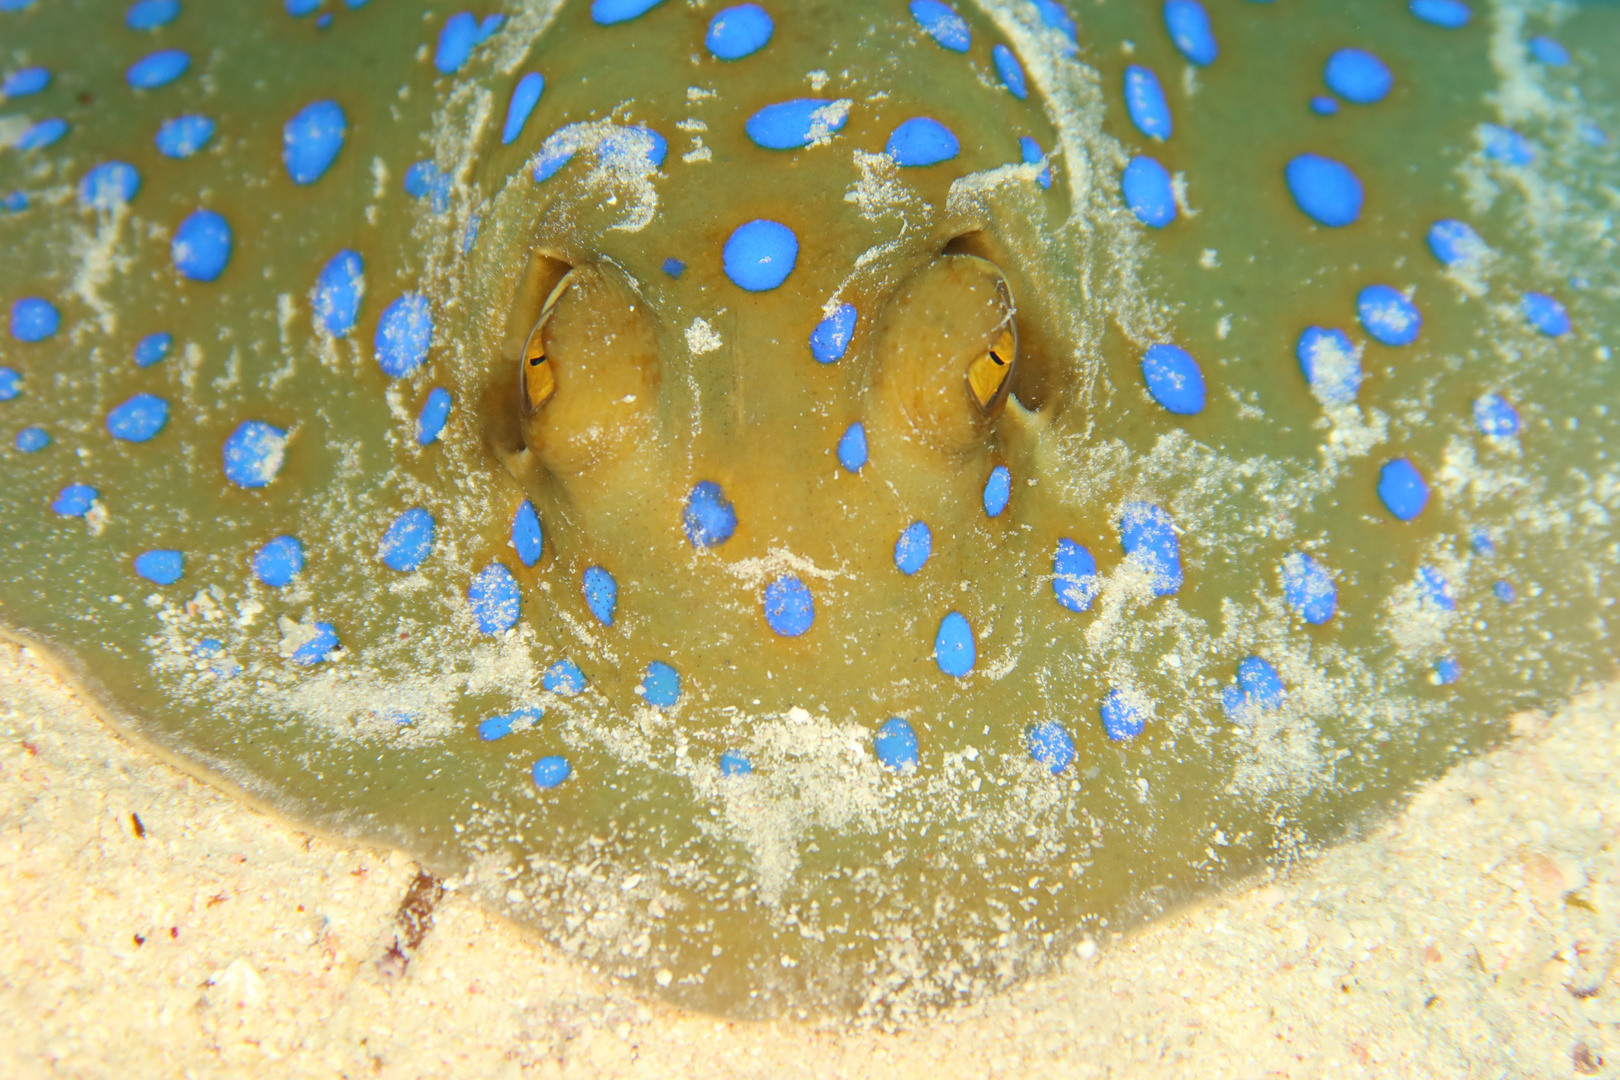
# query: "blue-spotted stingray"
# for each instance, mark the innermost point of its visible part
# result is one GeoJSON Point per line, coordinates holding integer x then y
{"type": "Point", "coordinates": [817, 507]}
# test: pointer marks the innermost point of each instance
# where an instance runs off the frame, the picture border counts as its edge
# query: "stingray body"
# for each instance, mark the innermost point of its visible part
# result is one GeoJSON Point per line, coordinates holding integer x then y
{"type": "Point", "coordinates": [815, 506]}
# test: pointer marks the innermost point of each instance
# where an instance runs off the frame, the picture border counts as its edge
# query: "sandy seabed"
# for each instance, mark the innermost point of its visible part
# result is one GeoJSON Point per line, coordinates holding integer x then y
{"type": "Point", "coordinates": [1475, 935]}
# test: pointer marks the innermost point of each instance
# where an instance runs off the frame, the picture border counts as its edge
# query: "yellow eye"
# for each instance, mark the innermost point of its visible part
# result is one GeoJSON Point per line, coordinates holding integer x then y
{"type": "Point", "coordinates": [989, 375]}
{"type": "Point", "coordinates": [536, 377]}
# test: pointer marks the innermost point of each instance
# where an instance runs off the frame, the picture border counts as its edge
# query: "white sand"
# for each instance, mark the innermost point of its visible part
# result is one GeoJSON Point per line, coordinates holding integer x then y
{"type": "Point", "coordinates": [1474, 936]}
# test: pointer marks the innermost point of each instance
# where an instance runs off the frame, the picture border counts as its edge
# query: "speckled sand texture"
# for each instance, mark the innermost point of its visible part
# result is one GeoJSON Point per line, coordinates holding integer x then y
{"type": "Point", "coordinates": [1474, 936]}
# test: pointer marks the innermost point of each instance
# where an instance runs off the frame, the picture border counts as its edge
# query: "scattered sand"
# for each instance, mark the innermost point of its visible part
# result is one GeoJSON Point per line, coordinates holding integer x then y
{"type": "Point", "coordinates": [1476, 935]}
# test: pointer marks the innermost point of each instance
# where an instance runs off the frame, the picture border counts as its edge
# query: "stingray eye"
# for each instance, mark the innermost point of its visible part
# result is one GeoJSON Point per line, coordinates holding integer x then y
{"type": "Point", "coordinates": [536, 379]}
{"type": "Point", "coordinates": [990, 376]}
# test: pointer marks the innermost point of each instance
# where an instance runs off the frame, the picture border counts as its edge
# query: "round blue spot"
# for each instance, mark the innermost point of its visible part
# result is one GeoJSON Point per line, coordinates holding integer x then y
{"type": "Point", "coordinates": [1261, 684]}
{"type": "Point", "coordinates": [338, 289]}
{"type": "Point", "coordinates": [151, 14]}
{"type": "Point", "coordinates": [435, 413]}
{"type": "Point", "coordinates": [15, 202]}
{"type": "Point", "coordinates": [108, 186]}
{"type": "Point", "coordinates": [739, 31]}
{"type": "Point", "coordinates": [829, 341]}
{"type": "Point", "coordinates": [527, 538]}
{"type": "Point", "coordinates": [735, 764]}
{"type": "Point", "coordinates": [184, 135]}
{"type": "Point", "coordinates": [1149, 192]}
{"type": "Point", "coordinates": [33, 319]}
{"type": "Point", "coordinates": [1402, 489]}
{"type": "Point", "coordinates": [1322, 105]}
{"type": "Point", "coordinates": [1450, 14]}
{"type": "Point", "coordinates": [1190, 31]}
{"type": "Point", "coordinates": [404, 334]}
{"type": "Point", "coordinates": [1031, 152]}
{"type": "Point", "coordinates": [423, 179]}
{"type": "Point", "coordinates": [1480, 540]}
{"type": "Point", "coordinates": [461, 34]}
{"type": "Point", "coordinates": [1447, 671]}
{"type": "Point", "coordinates": [954, 649]}
{"type": "Point", "coordinates": [674, 267]}
{"type": "Point", "coordinates": [202, 246]}
{"type": "Point", "coordinates": [895, 745]}
{"type": "Point", "coordinates": [1011, 72]}
{"type": "Point", "coordinates": [912, 550]}
{"type": "Point", "coordinates": [1454, 242]}
{"type": "Point", "coordinates": [1330, 364]}
{"type": "Point", "coordinates": [789, 125]}
{"type": "Point", "coordinates": [10, 384]}
{"type": "Point", "coordinates": [525, 96]}
{"type": "Point", "coordinates": [1436, 590]}
{"type": "Point", "coordinates": [25, 81]}
{"type": "Point", "coordinates": [493, 594]}
{"type": "Point", "coordinates": [31, 440]}
{"type": "Point", "coordinates": [157, 69]}
{"type": "Point", "coordinates": [601, 594]}
{"type": "Point", "coordinates": [708, 517]}
{"type": "Point", "coordinates": [1506, 145]}
{"type": "Point", "coordinates": [1496, 417]}
{"type": "Point", "coordinates": [1145, 101]}
{"type": "Point", "coordinates": [660, 686]}
{"type": "Point", "coordinates": [943, 24]}
{"type": "Point", "coordinates": [1173, 378]}
{"type": "Point", "coordinates": [1051, 745]}
{"type": "Point", "coordinates": [75, 500]}
{"type": "Point", "coordinates": [1122, 716]}
{"type": "Point", "coordinates": [1326, 190]}
{"type": "Point", "coordinates": [998, 491]}
{"type": "Point", "coordinates": [320, 646]}
{"type": "Point", "coordinates": [550, 772]}
{"type": "Point", "coordinates": [310, 141]}
{"type": "Point", "coordinates": [160, 567]}
{"type": "Point", "coordinates": [138, 419]}
{"type": "Point", "coordinates": [408, 541]}
{"type": "Point", "coordinates": [852, 453]}
{"type": "Point", "coordinates": [1590, 133]}
{"type": "Point", "coordinates": [500, 726]}
{"type": "Point", "coordinates": [1549, 51]}
{"type": "Point", "coordinates": [1545, 314]}
{"type": "Point", "coordinates": [789, 608]}
{"type": "Point", "coordinates": [299, 8]}
{"type": "Point", "coordinates": [760, 255]}
{"type": "Point", "coordinates": [1504, 592]}
{"type": "Point", "coordinates": [608, 12]}
{"type": "Point", "coordinates": [1148, 537]}
{"type": "Point", "coordinates": [40, 135]}
{"type": "Point", "coordinates": [279, 561]}
{"type": "Point", "coordinates": [1056, 16]}
{"type": "Point", "coordinates": [564, 678]}
{"type": "Point", "coordinates": [921, 141]}
{"type": "Point", "coordinates": [1074, 576]}
{"type": "Point", "coordinates": [253, 454]}
{"type": "Point", "coordinates": [152, 348]}
{"type": "Point", "coordinates": [1357, 75]}
{"type": "Point", "coordinates": [1388, 315]}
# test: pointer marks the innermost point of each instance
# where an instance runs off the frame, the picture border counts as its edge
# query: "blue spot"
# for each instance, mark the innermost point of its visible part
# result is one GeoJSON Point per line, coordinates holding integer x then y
{"type": "Point", "coordinates": [338, 289]}
{"type": "Point", "coordinates": [895, 745]}
{"type": "Point", "coordinates": [1495, 416]}
{"type": "Point", "coordinates": [1504, 592]}
{"type": "Point", "coordinates": [253, 454]}
{"type": "Point", "coordinates": [1261, 684]}
{"type": "Point", "coordinates": [1590, 133]}
{"type": "Point", "coordinates": [152, 348]}
{"type": "Point", "coordinates": [310, 141]}
{"type": "Point", "coordinates": [33, 319]}
{"type": "Point", "coordinates": [528, 540]}
{"type": "Point", "coordinates": [184, 135]}
{"type": "Point", "coordinates": [423, 179]}
{"type": "Point", "coordinates": [1056, 16]}
{"type": "Point", "coordinates": [1149, 192]}
{"type": "Point", "coordinates": [1122, 716]}
{"type": "Point", "coordinates": [279, 561]}
{"type": "Point", "coordinates": [151, 14]}
{"type": "Point", "coordinates": [1074, 576]}
{"type": "Point", "coordinates": [1330, 364]}
{"type": "Point", "coordinates": [789, 125]}
{"type": "Point", "coordinates": [1031, 152]}
{"type": "Point", "coordinates": [660, 686]}
{"type": "Point", "coordinates": [831, 337]}
{"type": "Point", "coordinates": [1357, 75]}
{"type": "Point", "coordinates": [1190, 31]}
{"type": "Point", "coordinates": [319, 647]}
{"type": "Point", "coordinates": [408, 541]}
{"type": "Point", "coordinates": [998, 491]}
{"type": "Point", "coordinates": [25, 81]}
{"type": "Point", "coordinates": [1436, 589]}
{"type": "Point", "coordinates": [525, 96]}
{"type": "Point", "coordinates": [404, 334]}
{"type": "Point", "coordinates": [10, 384]}
{"type": "Point", "coordinates": [1148, 537]}
{"type": "Point", "coordinates": [138, 419]}
{"type": "Point", "coordinates": [1144, 100]}
{"type": "Point", "coordinates": [109, 186]}
{"type": "Point", "coordinates": [634, 147]}
{"type": "Point", "coordinates": [852, 453]}
{"type": "Point", "coordinates": [157, 69]}
{"type": "Point", "coordinates": [921, 141]}
{"type": "Point", "coordinates": [1402, 489]}
{"type": "Point", "coordinates": [1326, 190]}
{"type": "Point", "coordinates": [1388, 315]}
{"type": "Point", "coordinates": [608, 12]}
{"type": "Point", "coordinates": [1545, 314]}
{"type": "Point", "coordinates": [1506, 145]}
{"type": "Point", "coordinates": [954, 649]}
{"type": "Point", "coordinates": [160, 567]}
{"type": "Point", "coordinates": [74, 500]}
{"type": "Point", "coordinates": [1450, 14]}
{"type": "Point", "coordinates": [1447, 671]}
{"type": "Point", "coordinates": [708, 518]}
{"type": "Point", "coordinates": [555, 152]}
{"type": "Point", "coordinates": [789, 609]}
{"type": "Point", "coordinates": [1480, 540]}
{"type": "Point", "coordinates": [912, 550]}
{"type": "Point", "coordinates": [499, 727]}
{"type": "Point", "coordinates": [14, 203]}
{"type": "Point", "coordinates": [435, 413]}
{"type": "Point", "coordinates": [1322, 105]}
{"type": "Point", "coordinates": [41, 135]}
{"type": "Point", "coordinates": [493, 594]}
{"type": "Point", "coordinates": [735, 764]}
{"type": "Point", "coordinates": [1173, 378]}
{"type": "Point", "coordinates": [1454, 242]}
{"type": "Point", "coordinates": [942, 24]}
{"type": "Point", "coordinates": [1011, 72]}
{"type": "Point", "coordinates": [202, 246]}
{"type": "Point", "coordinates": [31, 440]}
{"type": "Point", "coordinates": [299, 8]}
{"type": "Point", "coordinates": [462, 33]}
{"type": "Point", "coordinates": [1549, 51]}
{"type": "Point", "coordinates": [1051, 745]}
{"type": "Point", "coordinates": [739, 31]}
{"type": "Point", "coordinates": [552, 771]}
{"type": "Point", "coordinates": [760, 255]}
{"type": "Point", "coordinates": [323, 20]}
{"type": "Point", "coordinates": [674, 268]}
{"type": "Point", "coordinates": [564, 678]}
{"type": "Point", "coordinates": [601, 594]}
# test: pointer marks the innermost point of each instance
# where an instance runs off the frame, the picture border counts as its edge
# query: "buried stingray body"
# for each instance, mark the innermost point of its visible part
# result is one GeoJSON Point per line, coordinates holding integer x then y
{"type": "Point", "coordinates": [817, 506]}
